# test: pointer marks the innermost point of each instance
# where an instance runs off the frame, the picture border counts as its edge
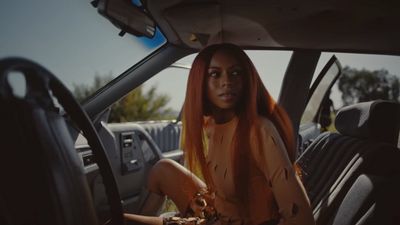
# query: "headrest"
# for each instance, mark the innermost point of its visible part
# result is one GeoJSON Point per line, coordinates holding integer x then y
{"type": "Point", "coordinates": [378, 120]}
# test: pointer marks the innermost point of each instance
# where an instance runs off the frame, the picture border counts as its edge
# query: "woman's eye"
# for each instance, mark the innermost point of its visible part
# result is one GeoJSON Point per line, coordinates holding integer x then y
{"type": "Point", "coordinates": [213, 73]}
{"type": "Point", "coordinates": [236, 72]}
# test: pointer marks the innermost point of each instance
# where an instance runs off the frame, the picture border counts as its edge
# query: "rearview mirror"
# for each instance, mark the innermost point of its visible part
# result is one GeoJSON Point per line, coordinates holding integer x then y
{"type": "Point", "coordinates": [128, 17]}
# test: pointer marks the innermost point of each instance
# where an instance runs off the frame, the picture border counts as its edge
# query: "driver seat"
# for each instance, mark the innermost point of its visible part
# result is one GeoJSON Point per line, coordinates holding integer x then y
{"type": "Point", "coordinates": [42, 179]}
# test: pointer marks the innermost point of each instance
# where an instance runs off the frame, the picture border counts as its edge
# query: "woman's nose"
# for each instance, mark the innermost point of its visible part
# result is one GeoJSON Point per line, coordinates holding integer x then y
{"type": "Point", "coordinates": [226, 79]}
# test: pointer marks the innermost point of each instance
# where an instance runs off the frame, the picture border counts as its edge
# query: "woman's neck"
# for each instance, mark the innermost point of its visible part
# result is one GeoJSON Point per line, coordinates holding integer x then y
{"type": "Point", "coordinates": [223, 115]}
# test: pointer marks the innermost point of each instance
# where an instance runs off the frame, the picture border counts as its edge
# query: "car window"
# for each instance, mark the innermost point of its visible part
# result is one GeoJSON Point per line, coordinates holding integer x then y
{"type": "Point", "coordinates": [271, 66]}
{"type": "Point", "coordinates": [77, 44]}
{"type": "Point", "coordinates": [381, 71]}
{"type": "Point", "coordinates": [167, 89]}
{"type": "Point", "coordinates": [321, 89]}
{"type": "Point", "coordinates": [368, 62]}
{"type": "Point", "coordinates": [170, 82]}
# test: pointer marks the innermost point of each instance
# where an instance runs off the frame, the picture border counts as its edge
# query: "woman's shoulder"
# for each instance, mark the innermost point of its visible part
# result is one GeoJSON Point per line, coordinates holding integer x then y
{"type": "Point", "coordinates": [264, 124]}
{"type": "Point", "coordinates": [264, 142]}
{"type": "Point", "coordinates": [265, 134]}
{"type": "Point", "coordinates": [262, 120]}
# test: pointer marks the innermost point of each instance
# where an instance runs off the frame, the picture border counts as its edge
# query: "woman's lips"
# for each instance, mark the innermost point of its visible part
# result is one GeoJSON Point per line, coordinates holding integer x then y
{"type": "Point", "coordinates": [227, 96]}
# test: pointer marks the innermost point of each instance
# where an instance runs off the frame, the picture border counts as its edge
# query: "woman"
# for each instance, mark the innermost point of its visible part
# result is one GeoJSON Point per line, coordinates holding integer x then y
{"type": "Point", "coordinates": [242, 143]}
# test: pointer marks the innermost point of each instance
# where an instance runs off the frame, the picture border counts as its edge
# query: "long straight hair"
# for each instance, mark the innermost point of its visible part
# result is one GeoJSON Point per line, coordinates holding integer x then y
{"type": "Point", "coordinates": [256, 101]}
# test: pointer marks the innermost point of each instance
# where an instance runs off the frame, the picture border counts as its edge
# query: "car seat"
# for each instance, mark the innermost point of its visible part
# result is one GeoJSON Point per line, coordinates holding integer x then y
{"type": "Point", "coordinates": [42, 177]}
{"type": "Point", "coordinates": [371, 200]}
{"type": "Point", "coordinates": [366, 143]}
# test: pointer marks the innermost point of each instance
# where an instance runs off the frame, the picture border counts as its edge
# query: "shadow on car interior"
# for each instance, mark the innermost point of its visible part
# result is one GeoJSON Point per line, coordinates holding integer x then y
{"type": "Point", "coordinates": [350, 175]}
{"type": "Point", "coordinates": [43, 181]}
{"type": "Point", "coordinates": [63, 163]}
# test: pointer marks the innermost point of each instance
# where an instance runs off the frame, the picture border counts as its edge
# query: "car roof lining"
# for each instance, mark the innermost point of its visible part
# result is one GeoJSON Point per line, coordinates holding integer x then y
{"type": "Point", "coordinates": [362, 26]}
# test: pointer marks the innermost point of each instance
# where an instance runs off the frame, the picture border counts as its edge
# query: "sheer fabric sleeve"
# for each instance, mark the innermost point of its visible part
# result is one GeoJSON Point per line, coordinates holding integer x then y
{"type": "Point", "coordinates": [271, 157]}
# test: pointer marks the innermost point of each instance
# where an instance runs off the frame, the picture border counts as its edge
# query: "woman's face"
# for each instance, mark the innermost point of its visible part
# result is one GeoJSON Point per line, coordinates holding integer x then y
{"type": "Point", "coordinates": [224, 81]}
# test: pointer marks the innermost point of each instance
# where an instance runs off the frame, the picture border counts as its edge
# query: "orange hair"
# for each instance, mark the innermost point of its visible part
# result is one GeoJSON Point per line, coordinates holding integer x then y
{"type": "Point", "coordinates": [256, 101]}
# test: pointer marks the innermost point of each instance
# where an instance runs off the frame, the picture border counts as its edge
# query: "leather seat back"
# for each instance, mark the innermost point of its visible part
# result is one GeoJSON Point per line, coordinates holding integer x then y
{"type": "Point", "coordinates": [42, 178]}
{"type": "Point", "coordinates": [366, 143]}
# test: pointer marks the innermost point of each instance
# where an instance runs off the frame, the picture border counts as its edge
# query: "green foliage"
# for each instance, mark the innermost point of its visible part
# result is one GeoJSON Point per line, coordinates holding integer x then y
{"type": "Point", "coordinates": [364, 85]}
{"type": "Point", "coordinates": [82, 91]}
{"type": "Point", "coordinates": [137, 105]}
{"type": "Point", "coordinates": [141, 106]}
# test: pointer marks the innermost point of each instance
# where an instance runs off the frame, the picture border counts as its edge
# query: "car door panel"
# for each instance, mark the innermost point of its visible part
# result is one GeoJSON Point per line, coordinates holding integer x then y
{"type": "Point", "coordinates": [132, 153]}
{"type": "Point", "coordinates": [310, 127]}
{"type": "Point", "coordinates": [166, 134]}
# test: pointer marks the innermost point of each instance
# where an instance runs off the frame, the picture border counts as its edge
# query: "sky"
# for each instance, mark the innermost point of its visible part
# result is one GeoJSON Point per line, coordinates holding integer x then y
{"type": "Point", "coordinates": [75, 42]}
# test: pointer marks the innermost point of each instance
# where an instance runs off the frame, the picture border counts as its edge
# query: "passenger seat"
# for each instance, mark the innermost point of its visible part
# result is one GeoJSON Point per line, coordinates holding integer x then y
{"type": "Point", "coordinates": [371, 200]}
{"type": "Point", "coordinates": [366, 143]}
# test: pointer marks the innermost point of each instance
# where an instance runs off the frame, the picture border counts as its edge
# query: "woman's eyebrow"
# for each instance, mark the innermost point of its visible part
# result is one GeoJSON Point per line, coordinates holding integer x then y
{"type": "Point", "coordinates": [213, 68]}
{"type": "Point", "coordinates": [231, 67]}
{"type": "Point", "coordinates": [236, 66]}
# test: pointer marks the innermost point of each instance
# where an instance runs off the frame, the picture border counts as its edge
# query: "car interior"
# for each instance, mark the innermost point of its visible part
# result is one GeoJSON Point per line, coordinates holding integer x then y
{"type": "Point", "coordinates": [64, 163]}
{"type": "Point", "coordinates": [365, 147]}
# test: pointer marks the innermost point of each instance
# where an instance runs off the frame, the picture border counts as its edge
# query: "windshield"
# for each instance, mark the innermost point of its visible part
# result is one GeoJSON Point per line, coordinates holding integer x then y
{"type": "Point", "coordinates": [71, 39]}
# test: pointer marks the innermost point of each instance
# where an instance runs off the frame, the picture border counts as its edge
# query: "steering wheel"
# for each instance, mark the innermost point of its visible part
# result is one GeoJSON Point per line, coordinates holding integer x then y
{"type": "Point", "coordinates": [41, 87]}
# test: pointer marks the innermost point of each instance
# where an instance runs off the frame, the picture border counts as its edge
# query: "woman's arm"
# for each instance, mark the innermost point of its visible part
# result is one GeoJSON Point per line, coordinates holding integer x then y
{"type": "Point", "coordinates": [271, 157]}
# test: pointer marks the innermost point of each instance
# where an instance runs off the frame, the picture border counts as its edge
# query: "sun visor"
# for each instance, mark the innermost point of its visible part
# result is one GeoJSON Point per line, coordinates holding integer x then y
{"type": "Point", "coordinates": [195, 24]}
{"type": "Point", "coordinates": [128, 17]}
{"type": "Point", "coordinates": [311, 24]}
{"type": "Point", "coordinates": [201, 24]}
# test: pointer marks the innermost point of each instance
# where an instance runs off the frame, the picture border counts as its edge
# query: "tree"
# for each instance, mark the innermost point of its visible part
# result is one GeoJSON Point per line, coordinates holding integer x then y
{"type": "Point", "coordinates": [364, 85]}
{"type": "Point", "coordinates": [82, 91]}
{"type": "Point", "coordinates": [135, 106]}
{"type": "Point", "coordinates": [141, 106]}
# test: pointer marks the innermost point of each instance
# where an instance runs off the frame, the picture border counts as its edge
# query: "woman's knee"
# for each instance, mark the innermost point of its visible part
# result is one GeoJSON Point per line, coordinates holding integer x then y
{"type": "Point", "coordinates": [163, 169]}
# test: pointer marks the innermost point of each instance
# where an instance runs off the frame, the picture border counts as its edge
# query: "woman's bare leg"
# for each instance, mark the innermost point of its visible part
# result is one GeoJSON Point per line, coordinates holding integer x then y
{"type": "Point", "coordinates": [152, 204]}
{"type": "Point", "coordinates": [175, 181]}
{"type": "Point", "coordinates": [170, 178]}
{"type": "Point", "coordinates": [148, 220]}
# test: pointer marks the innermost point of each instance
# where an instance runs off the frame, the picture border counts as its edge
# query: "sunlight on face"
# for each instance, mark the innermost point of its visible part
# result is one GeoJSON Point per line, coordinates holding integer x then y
{"type": "Point", "coordinates": [224, 81]}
